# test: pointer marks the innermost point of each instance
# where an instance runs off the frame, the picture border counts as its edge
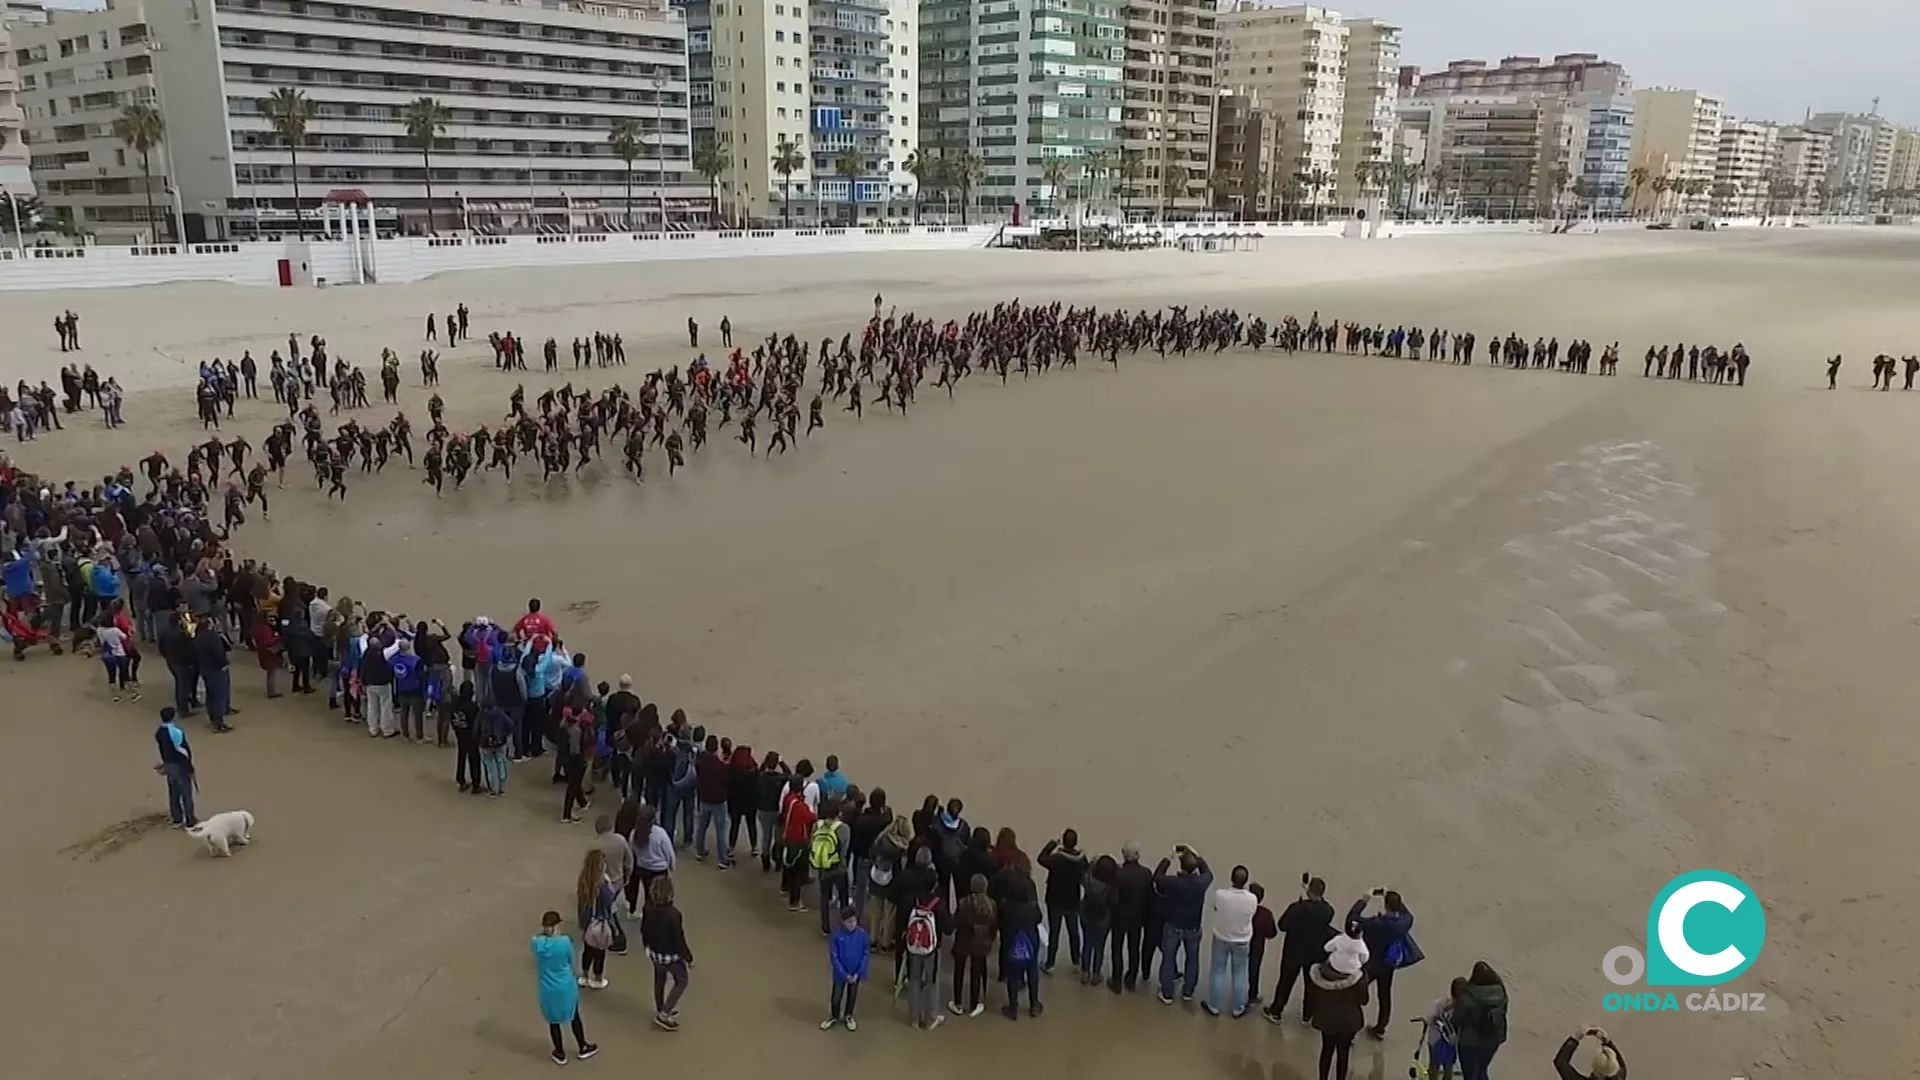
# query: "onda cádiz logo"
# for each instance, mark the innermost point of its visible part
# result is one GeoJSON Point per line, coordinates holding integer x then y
{"type": "Point", "coordinates": [1704, 929]}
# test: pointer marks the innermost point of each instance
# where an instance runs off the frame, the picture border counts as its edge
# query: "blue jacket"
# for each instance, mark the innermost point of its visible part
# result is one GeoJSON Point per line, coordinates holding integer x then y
{"type": "Point", "coordinates": [408, 673]}
{"type": "Point", "coordinates": [1389, 936]}
{"type": "Point", "coordinates": [833, 784]}
{"type": "Point", "coordinates": [19, 577]}
{"type": "Point", "coordinates": [105, 583]}
{"type": "Point", "coordinates": [847, 949]}
{"type": "Point", "coordinates": [1183, 897]}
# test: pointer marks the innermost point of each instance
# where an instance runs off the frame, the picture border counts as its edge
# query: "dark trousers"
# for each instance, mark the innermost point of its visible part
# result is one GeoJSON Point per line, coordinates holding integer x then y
{"type": "Point", "coordinates": [533, 727]}
{"type": "Point", "coordinates": [1125, 940]}
{"type": "Point", "coordinates": [751, 821]}
{"type": "Point", "coordinates": [1383, 991]}
{"type": "Point", "coordinates": [793, 871]}
{"type": "Point", "coordinates": [579, 1034]}
{"type": "Point", "coordinates": [1291, 968]}
{"type": "Point", "coordinates": [969, 973]}
{"type": "Point", "coordinates": [1057, 919]}
{"type": "Point", "coordinates": [575, 771]}
{"type": "Point", "coordinates": [845, 996]}
{"type": "Point", "coordinates": [1335, 1050]}
{"type": "Point", "coordinates": [466, 761]}
{"type": "Point", "coordinates": [1150, 940]}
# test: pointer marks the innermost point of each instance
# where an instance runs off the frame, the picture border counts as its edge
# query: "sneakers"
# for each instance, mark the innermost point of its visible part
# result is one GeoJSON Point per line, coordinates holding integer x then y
{"type": "Point", "coordinates": [1036, 1009]}
{"type": "Point", "coordinates": [852, 1024]}
{"type": "Point", "coordinates": [597, 982]}
{"type": "Point", "coordinates": [1207, 1007]}
{"type": "Point", "coordinates": [1164, 999]}
{"type": "Point", "coordinates": [976, 1010]}
{"type": "Point", "coordinates": [1270, 1016]}
{"type": "Point", "coordinates": [956, 1008]}
{"type": "Point", "coordinates": [936, 1021]}
{"type": "Point", "coordinates": [558, 1057]}
{"type": "Point", "coordinates": [829, 1023]}
{"type": "Point", "coordinates": [587, 1050]}
{"type": "Point", "coordinates": [666, 1022]}
{"type": "Point", "coordinates": [1010, 1012]}
{"type": "Point", "coordinates": [1237, 1013]}
{"type": "Point", "coordinates": [580, 980]}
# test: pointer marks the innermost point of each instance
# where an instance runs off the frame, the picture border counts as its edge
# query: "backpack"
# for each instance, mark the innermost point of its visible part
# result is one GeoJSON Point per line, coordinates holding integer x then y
{"type": "Point", "coordinates": [824, 849]}
{"type": "Point", "coordinates": [923, 934]}
{"type": "Point", "coordinates": [1020, 950]}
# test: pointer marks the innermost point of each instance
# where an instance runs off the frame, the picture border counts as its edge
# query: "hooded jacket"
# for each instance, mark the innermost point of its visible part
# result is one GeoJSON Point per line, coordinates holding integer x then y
{"type": "Point", "coordinates": [1339, 1001]}
{"type": "Point", "coordinates": [847, 951]}
{"type": "Point", "coordinates": [1066, 870]}
{"type": "Point", "coordinates": [1131, 888]}
{"type": "Point", "coordinates": [1388, 935]}
{"type": "Point", "coordinates": [1480, 1016]}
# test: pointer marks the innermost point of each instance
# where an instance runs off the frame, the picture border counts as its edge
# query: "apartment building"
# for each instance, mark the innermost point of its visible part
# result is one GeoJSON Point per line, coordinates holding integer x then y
{"type": "Point", "coordinates": [1745, 168]}
{"type": "Point", "coordinates": [1245, 151]}
{"type": "Point", "coordinates": [532, 92]}
{"type": "Point", "coordinates": [1905, 176]}
{"type": "Point", "coordinates": [1860, 158]}
{"type": "Point", "coordinates": [15, 176]}
{"type": "Point", "coordinates": [1805, 159]}
{"type": "Point", "coordinates": [829, 78]}
{"type": "Point", "coordinates": [1587, 110]}
{"type": "Point", "coordinates": [1025, 84]}
{"type": "Point", "coordinates": [78, 71]}
{"type": "Point", "coordinates": [1167, 111]}
{"type": "Point", "coordinates": [1295, 59]}
{"type": "Point", "coordinates": [1676, 135]}
{"type": "Point", "coordinates": [1487, 155]}
{"type": "Point", "coordinates": [1371, 90]}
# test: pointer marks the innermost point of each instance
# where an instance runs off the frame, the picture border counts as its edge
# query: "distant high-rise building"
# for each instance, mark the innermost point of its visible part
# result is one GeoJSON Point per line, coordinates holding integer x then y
{"type": "Point", "coordinates": [1487, 155]}
{"type": "Point", "coordinates": [1371, 89]}
{"type": "Point", "coordinates": [1587, 117]}
{"type": "Point", "coordinates": [833, 80]}
{"type": "Point", "coordinates": [1859, 160]}
{"type": "Point", "coordinates": [1295, 59]}
{"type": "Point", "coordinates": [14, 174]}
{"type": "Point", "coordinates": [1676, 135]}
{"type": "Point", "coordinates": [1806, 156]}
{"type": "Point", "coordinates": [1023, 84]}
{"type": "Point", "coordinates": [1167, 117]}
{"type": "Point", "coordinates": [1246, 136]}
{"type": "Point", "coordinates": [1746, 168]}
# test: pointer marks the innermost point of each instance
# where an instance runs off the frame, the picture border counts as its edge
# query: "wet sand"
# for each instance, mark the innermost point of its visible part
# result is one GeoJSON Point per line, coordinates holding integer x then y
{"type": "Point", "coordinates": [1521, 645]}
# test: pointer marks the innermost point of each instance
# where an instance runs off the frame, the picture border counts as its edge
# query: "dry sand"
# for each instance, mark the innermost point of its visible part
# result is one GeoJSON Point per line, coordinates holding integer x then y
{"type": "Point", "coordinates": [1521, 645]}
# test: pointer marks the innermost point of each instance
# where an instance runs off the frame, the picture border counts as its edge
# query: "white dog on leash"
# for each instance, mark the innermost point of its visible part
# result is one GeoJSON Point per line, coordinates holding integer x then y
{"type": "Point", "coordinates": [224, 830]}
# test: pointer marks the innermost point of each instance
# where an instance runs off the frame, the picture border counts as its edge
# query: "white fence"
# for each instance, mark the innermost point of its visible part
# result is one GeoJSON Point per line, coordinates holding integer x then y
{"type": "Point", "coordinates": [415, 258]}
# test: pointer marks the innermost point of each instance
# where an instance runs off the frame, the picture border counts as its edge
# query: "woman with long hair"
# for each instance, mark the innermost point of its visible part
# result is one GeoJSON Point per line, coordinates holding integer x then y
{"type": "Point", "coordinates": [743, 796]}
{"type": "Point", "coordinates": [1480, 1021]}
{"type": "Point", "coordinates": [664, 933]}
{"type": "Point", "coordinates": [595, 897]}
{"type": "Point", "coordinates": [559, 994]}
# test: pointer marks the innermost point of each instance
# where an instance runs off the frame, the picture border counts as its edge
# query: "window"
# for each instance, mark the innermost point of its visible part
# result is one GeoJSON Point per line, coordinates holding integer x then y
{"type": "Point", "coordinates": [780, 35]}
{"type": "Point", "coordinates": [782, 113]}
{"type": "Point", "coordinates": [780, 87]}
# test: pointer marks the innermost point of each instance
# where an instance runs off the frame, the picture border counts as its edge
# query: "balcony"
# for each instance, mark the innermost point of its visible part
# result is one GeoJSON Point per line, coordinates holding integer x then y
{"type": "Point", "coordinates": [847, 23]}
{"type": "Point", "coordinates": [880, 6]}
{"type": "Point", "coordinates": [852, 76]}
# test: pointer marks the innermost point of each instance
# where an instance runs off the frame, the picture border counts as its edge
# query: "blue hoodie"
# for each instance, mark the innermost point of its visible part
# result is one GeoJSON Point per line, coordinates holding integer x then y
{"type": "Point", "coordinates": [847, 949]}
{"type": "Point", "coordinates": [833, 784]}
{"type": "Point", "coordinates": [408, 673]}
{"type": "Point", "coordinates": [1389, 935]}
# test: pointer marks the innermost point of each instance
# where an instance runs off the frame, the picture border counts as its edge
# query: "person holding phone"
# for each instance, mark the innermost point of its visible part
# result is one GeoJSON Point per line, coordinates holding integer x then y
{"type": "Point", "coordinates": [1607, 1062]}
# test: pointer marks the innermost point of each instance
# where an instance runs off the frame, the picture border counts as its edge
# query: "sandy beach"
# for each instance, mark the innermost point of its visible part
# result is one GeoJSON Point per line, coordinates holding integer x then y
{"type": "Point", "coordinates": [1521, 645]}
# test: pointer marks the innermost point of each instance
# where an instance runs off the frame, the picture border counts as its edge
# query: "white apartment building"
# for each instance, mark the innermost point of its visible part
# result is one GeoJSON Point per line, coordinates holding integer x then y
{"type": "Point", "coordinates": [14, 175]}
{"type": "Point", "coordinates": [1372, 90]}
{"type": "Point", "coordinates": [78, 70]}
{"type": "Point", "coordinates": [532, 91]}
{"type": "Point", "coordinates": [1805, 158]}
{"type": "Point", "coordinates": [1860, 159]}
{"type": "Point", "coordinates": [826, 77]}
{"type": "Point", "coordinates": [1295, 59]}
{"type": "Point", "coordinates": [1745, 168]}
{"type": "Point", "coordinates": [1676, 135]}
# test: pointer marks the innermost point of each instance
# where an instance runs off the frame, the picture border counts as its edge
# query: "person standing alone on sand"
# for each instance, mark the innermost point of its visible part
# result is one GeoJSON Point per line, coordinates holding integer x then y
{"type": "Point", "coordinates": [559, 993]}
{"type": "Point", "coordinates": [176, 764]}
{"type": "Point", "coordinates": [847, 952]}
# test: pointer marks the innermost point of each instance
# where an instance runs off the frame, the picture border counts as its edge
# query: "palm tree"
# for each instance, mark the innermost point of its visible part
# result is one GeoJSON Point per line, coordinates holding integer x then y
{"type": "Point", "coordinates": [1317, 180]}
{"type": "Point", "coordinates": [1659, 184]}
{"type": "Point", "coordinates": [627, 139]}
{"type": "Point", "coordinates": [1636, 179]}
{"type": "Point", "coordinates": [968, 173]}
{"type": "Point", "coordinates": [712, 162]}
{"type": "Point", "coordinates": [848, 164]}
{"type": "Point", "coordinates": [1133, 169]}
{"type": "Point", "coordinates": [1559, 178]}
{"type": "Point", "coordinates": [288, 110]}
{"type": "Point", "coordinates": [1053, 173]}
{"type": "Point", "coordinates": [787, 161]}
{"type": "Point", "coordinates": [425, 120]}
{"type": "Point", "coordinates": [1098, 165]}
{"type": "Point", "coordinates": [142, 128]}
{"type": "Point", "coordinates": [921, 167]}
{"type": "Point", "coordinates": [1291, 191]}
{"type": "Point", "coordinates": [1724, 192]}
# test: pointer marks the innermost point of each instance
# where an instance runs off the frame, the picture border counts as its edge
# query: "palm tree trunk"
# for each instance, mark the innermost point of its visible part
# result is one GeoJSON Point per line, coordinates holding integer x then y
{"type": "Point", "coordinates": [629, 196]}
{"type": "Point", "coordinates": [299, 220]}
{"type": "Point", "coordinates": [966, 196]}
{"type": "Point", "coordinates": [786, 203]}
{"type": "Point", "coordinates": [146, 169]}
{"type": "Point", "coordinates": [426, 159]}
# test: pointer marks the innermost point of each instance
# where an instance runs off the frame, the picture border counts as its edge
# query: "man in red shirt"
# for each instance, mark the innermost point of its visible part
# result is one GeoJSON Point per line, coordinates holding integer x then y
{"type": "Point", "coordinates": [534, 623]}
{"type": "Point", "coordinates": [710, 786]}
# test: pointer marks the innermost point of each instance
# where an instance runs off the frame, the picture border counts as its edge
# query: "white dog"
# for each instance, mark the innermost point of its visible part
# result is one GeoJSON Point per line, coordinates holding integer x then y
{"type": "Point", "coordinates": [223, 830]}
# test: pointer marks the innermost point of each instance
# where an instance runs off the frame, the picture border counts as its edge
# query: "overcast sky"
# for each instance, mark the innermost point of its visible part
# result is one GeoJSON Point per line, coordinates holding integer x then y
{"type": "Point", "coordinates": [1770, 59]}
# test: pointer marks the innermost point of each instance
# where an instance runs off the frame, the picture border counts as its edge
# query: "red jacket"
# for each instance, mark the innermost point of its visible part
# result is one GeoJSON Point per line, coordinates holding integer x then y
{"type": "Point", "coordinates": [266, 645]}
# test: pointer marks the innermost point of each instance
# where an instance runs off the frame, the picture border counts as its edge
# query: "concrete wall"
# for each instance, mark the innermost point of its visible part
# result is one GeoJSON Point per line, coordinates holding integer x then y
{"type": "Point", "coordinates": [413, 259]}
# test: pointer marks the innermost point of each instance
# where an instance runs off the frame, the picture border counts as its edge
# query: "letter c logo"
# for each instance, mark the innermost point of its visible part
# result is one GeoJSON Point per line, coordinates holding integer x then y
{"type": "Point", "coordinates": [1673, 928]}
{"type": "Point", "coordinates": [1703, 927]}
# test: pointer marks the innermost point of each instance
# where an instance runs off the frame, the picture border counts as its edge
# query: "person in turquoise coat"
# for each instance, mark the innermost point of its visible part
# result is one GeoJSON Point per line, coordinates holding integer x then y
{"type": "Point", "coordinates": [559, 993]}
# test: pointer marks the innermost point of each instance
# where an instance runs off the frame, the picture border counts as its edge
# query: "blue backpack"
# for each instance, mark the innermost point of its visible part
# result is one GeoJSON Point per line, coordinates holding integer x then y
{"type": "Point", "coordinates": [1020, 950]}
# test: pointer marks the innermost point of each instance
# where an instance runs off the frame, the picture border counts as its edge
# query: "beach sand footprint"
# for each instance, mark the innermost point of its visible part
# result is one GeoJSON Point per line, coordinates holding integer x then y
{"type": "Point", "coordinates": [111, 839]}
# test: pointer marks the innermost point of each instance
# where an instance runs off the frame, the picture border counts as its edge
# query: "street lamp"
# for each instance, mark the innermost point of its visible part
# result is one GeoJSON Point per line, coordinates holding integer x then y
{"type": "Point", "coordinates": [166, 144]}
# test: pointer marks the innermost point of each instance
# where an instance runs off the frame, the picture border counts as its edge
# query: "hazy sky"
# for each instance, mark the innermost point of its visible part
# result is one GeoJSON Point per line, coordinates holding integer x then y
{"type": "Point", "coordinates": [1770, 59]}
